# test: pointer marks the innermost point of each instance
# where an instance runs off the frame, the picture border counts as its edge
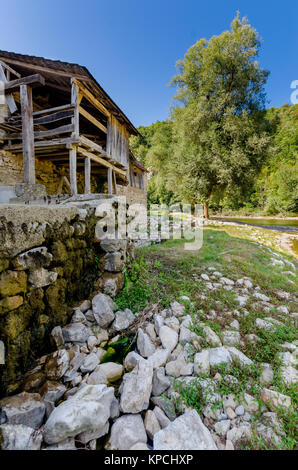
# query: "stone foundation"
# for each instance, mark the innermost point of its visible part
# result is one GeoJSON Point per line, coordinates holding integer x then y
{"type": "Point", "coordinates": [49, 260]}
{"type": "Point", "coordinates": [47, 174]}
{"type": "Point", "coordinates": [133, 195]}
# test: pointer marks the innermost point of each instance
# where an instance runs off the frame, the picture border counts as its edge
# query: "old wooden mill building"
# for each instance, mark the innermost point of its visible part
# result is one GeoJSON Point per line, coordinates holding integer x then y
{"type": "Point", "coordinates": [57, 112]}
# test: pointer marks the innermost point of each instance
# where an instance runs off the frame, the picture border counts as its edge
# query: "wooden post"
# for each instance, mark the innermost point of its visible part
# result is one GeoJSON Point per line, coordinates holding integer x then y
{"type": "Point", "coordinates": [73, 170]}
{"type": "Point", "coordinates": [110, 181]}
{"type": "Point", "coordinates": [27, 134]}
{"type": "Point", "coordinates": [87, 175]}
{"type": "Point", "coordinates": [115, 182]}
{"type": "Point", "coordinates": [75, 135]}
{"type": "Point", "coordinates": [75, 102]}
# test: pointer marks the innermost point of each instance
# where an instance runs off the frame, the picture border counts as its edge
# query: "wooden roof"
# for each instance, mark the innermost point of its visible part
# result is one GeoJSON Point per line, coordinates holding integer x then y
{"type": "Point", "coordinates": [58, 75]}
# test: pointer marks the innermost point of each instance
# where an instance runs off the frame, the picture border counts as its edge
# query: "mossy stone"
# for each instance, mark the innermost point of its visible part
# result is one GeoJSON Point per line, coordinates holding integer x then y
{"type": "Point", "coordinates": [16, 322]}
{"type": "Point", "coordinates": [4, 263]}
{"type": "Point", "coordinates": [35, 299]}
{"type": "Point", "coordinates": [12, 283]}
{"type": "Point", "coordinates": [10, 303]}
{"type": "Point", "coordinates": [59, 252]}
{"type": "Point", "coordinates": [44, 320]}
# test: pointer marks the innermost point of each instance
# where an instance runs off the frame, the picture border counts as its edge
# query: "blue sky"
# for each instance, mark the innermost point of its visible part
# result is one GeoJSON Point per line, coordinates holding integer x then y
{"type": "Point", "coordinates": [131, 46]}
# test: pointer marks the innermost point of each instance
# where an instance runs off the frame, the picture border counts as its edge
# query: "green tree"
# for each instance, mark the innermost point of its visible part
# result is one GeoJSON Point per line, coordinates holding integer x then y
{"type": "Point", "coordinates": [221, 137]}
{"type": "Point", "coordinates": [155, 149]}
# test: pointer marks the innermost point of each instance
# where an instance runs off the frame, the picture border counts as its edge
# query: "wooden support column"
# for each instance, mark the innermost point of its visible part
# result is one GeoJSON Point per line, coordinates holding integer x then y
{"type": "Point", "coordinates": [87, 175]}
{"type": "Point", "coordinates": [27, 134]}
{"type": "Point", "coordinates": [75, 135]}
{"type": "Point", "coordinates": [75, 102]}
{"type": "Point", "coordinates": [110, 181]}
{"type": "Point", "coordinates": [73, 170]}
{"type": "Point", "coordinates": [115, 182]}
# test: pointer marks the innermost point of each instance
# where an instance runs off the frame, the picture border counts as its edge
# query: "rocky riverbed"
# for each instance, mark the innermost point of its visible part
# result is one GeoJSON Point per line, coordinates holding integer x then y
{"type": "Point", "coordinates": [77, 397]}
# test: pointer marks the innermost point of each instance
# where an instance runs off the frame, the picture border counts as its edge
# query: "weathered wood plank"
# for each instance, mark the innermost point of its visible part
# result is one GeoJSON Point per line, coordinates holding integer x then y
{"type": "Point", "coordinates": [117, 142]}
{"type": "Point", "coordinates": [9, 69]}
{"type": "Point", "coordinates": [56, 131]}
{"type": "Point", "coordinates": [32, 80]}
{"type": "Point", "coordinates": [53, 117]}
{"type": "Point", "coordinates": [53, 110]}
{"type": "Point", "coordinates": [92, 119]}
{"type": "Point", "coordinates": [45, 144]}
{"type": "Point", "coordinates": [75, 103]}
{"type": "Point", "coordinates": [93, 146]}
{"type": "Point", "coordinates": [73, 170]}
{"type": "Point", "coordinates": [8, 98]}
{"type": "Point", "coordinates": [87, 168]}
{"type": "Point", "coordinates": [110, 181]}
{"type": "Point", "coordinates": [27, 134]}
{"type": "Point", "coordinates": [115, 182]}
{"type": "Point", "coordinates": [48, 133]}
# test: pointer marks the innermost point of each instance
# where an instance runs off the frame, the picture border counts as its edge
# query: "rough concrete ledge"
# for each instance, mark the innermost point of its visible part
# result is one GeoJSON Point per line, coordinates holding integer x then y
{"type": "Point", "coordinates": [23, 227]}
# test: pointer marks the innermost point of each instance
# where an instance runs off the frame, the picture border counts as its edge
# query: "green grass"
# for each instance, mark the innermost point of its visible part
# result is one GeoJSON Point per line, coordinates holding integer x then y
{"type": "Point", "coordinates": [165, 272]}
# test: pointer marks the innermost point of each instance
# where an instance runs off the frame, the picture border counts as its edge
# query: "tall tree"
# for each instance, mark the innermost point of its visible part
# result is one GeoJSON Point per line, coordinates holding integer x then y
{"type": "Point", "coordinates": [220, 131]}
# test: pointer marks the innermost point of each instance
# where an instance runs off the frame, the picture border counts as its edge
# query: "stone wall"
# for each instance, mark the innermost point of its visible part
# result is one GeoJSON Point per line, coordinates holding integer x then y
{"type": "Point", "coordinates": [133, 195]}
{"type": "Point", "coordinates": [50, 258]}
{"type": "Point", "coordinates": [11, 173]}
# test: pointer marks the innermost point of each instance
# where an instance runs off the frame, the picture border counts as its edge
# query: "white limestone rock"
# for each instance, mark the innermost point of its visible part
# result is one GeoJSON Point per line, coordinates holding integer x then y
{"type": "Point", "coordinates": [136, 388]}
{"type": "Point", "coordinates": [162, 418]}
{"type": "Point", "coordinates": [202, 363]}
{"type": "Point", "coordinates": [219, 356]}
{"type": "Point", "coordinates": [123, 320]}
{"type": "Point", "coordinates": [85, 414]}
{"type": "Point", "coordinates": [177, 309]}
{"type": "Point", "coordinates": [238, 356]}
{"type": "Point", "coordinates": [127, 431]}
{"type": "Point", "coordinates": [159, 358]}
{"type": "Point", "coordinates": [131, 360]}
{"type": "Point", "coordinates": [25, 408]}
{"type": "Point", "coordinates": [161, 382]}
{"type": "Point", "coordinates": [151, 423]}
{"type": "Point", "coordinates": [185, 433]}
{"type": "Point", "coordinates": [168, 337]}
{"type": "Point", "coordinates": [90, 363]}
{"type": "Point", "coordinates": [275, 399]}
{"type": "Point", "coordinates": [76, 333]}
{"type": "Point", "coordinates": [231, 338]}
{"type": "Point", "coordinates": [103, 310]}
{"type": "Point", "coordinates": [19, 437]}
{"type": "Point", "coordinates": [145, 346]}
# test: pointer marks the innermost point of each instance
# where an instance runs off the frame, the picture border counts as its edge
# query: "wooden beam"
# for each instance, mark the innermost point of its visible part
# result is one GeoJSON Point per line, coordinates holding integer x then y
{"type": "Point", "coordinates": [9, 69]}
{"type": "Point", "coordinates": [44, 69]}
{"type": "Point", "coordinates": [53, 110]}
{"type": "Point", "coordinates": [27, 134]}
{"type": "Point", "coordinates": [93, 146]}
{"type": "Point", "coordinates": [110, 181]}
{"type": "Point", "coordinates": [32, 80]}
{"type": "Point", "coordinates": [87, 168]}
{"type": "Point", "coordinates": [49, 133]}
{"type": "Point", "coordinates": [73, 170]}
{"type": "Point", "coordinates": [92, 119]}
{"type": "Point", "coordinates": [91, 98]}
{"type": "Point", "coordinates": [60, 115]}
{"type": "Point", "coordinates": [100, 161]}
{"type": "Point", "coordinates": [67, 142]}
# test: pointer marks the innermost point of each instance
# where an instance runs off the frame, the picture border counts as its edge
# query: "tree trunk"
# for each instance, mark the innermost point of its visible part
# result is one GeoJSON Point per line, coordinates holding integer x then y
{"type": "Point", "coordinates": [206, 210]}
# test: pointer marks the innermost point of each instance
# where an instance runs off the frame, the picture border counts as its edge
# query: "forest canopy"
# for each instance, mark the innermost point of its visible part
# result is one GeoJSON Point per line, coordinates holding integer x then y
{"type": "Point", "coordinates": [220, 146]}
